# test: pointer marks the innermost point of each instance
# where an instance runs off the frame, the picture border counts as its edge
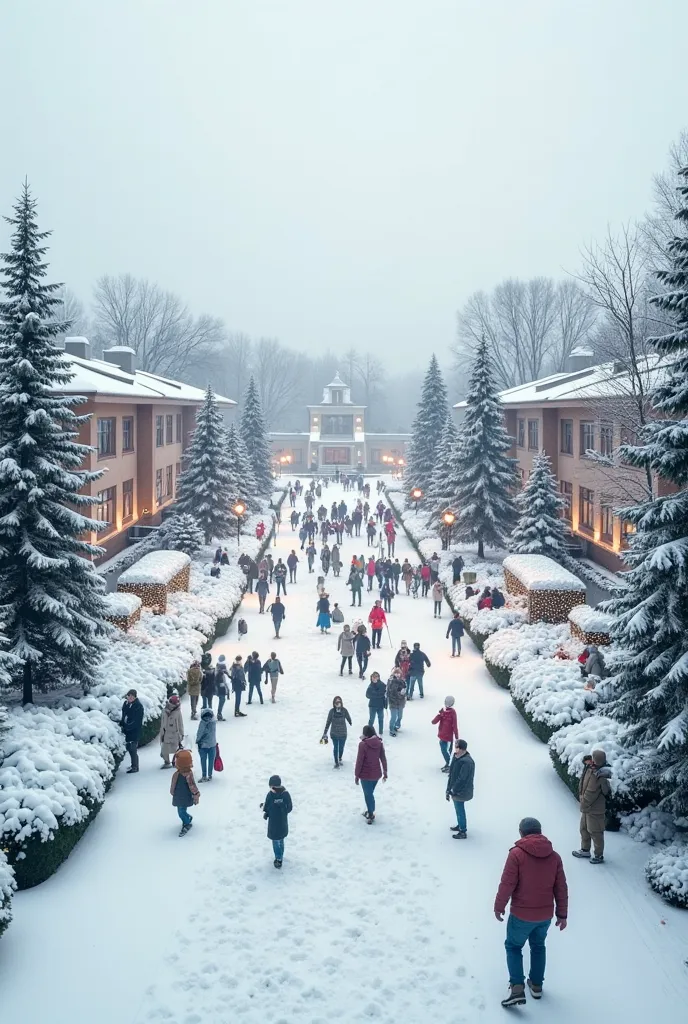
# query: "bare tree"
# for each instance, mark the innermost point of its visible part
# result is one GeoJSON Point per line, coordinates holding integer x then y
{"type": "Point", "coordinates": [71, 310]}
{"type": "Point", "coordinates": [157, 324]}
{"type": "Point", "coordinates": [478, 319]}
{"type": "Point", "coordinates": [576, 318]}
{"type": "Point", "coordinates": [660, 225]}
{"type": "Point", "coordinates": [278, 373]}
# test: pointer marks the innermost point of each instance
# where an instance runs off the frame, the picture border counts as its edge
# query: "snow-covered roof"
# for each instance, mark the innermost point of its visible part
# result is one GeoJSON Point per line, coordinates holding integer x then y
{"type": "Point", "coordinates": [156, 567]}
{"type": "Point", "coordinates": [537, 572]}
{"type": "Point", "coordinates": [590, 620]}
{"type": "Point", "coordinates": [97, 377]}
{"type": "Point", "coordinates": [121, 606]}
{"type": "Point", "coordinates": [337, 382]}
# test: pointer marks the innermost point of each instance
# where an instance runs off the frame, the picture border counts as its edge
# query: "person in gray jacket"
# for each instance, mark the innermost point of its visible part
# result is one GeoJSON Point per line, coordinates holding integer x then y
{"type": "Point", "coordinates": [206, 740]}
{"type": "Point", "coordinates": [594, 663]}
{"type": "Point", "coordinates": [460, 785]}
{"type": "Point", "coordinates": [345, 646]}
{"type": "Point", "coordinates": [337, 718]}
{"type": "Point", "coordinates": [396, 700]}
{"type": "Point", "coordinates": [262, 590]}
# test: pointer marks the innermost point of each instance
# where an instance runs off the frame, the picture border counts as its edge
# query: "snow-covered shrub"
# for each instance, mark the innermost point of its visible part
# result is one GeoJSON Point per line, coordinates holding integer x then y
{"type": "Point", "coordinates": [488, 621]}
{"type": "Point", "coordinates": [157, 567]}
{"type": "Point", "coordinates": [181, 533]}
{"type": "Point", "coordinates": [667, 873]}
{"type": "Point", "coordinates": [7, 887]}
{"type": "Point", "coordinates": [550, 694]}
{"type": "Point", "coordinates": [505, 648]}
{"type": "Point", "coordinates": [650, 825]}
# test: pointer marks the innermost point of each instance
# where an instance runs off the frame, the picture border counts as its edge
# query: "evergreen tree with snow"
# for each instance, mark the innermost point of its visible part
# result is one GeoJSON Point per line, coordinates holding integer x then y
{"type": "Point", "coordinates": [242, 486]}
{"type": "Point", "coordinates": [650, 691]}
{"type": "Point", "coordinates": [426, 432]}
{"type": "Point", "coordinates": [181, 533]}
{"type": "Point", "coordinates": [255, 438]}
{"type": "Point", "coordinates": [445, 482]}
{"type": "Point", "coordinates": [486, 508]}
{"type": "Point", "coordinates": [204, 490]}
{"type": "Point", "coordinates": [540, 528]}
{"type": "Point", "coordinates": [51, 598]}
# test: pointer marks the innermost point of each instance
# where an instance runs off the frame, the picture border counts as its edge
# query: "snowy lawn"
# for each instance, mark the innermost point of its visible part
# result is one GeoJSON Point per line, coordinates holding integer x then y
{"type": "Point", "coordinates": [389, 923]}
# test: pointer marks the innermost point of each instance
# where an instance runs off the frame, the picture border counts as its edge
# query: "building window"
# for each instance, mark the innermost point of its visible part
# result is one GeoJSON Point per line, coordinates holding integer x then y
{"type": "Point", "coordinates": [159, 431]}
{"type": "Point", "coordinates": [337, 397]}
{"type": "Point", "coordinates": [521, 435]}
{"type": "Point", "coordinates": [158, 486]}
{"type": "Point", "coordinates": [105, 511]}
{"type": "Point", "coordinates": [587, 437]}
{"type": "Point", "coordinates": [566, 492]}
{"type": "Point", "coordinates": [127, 500]}
{"type": "Point", "coordinates": [586, 508]}
{"type": "Point", "coordinates": [177, 474]}
{"type": "Point", "coordinates": [338, 426]}
{"type": "Point", "coordinates": [606, 439]}
{"type": "Point", "coordinates": [336, 456]}
{"type": "Point", "coordinates": [178, 428]}
{"type": "Point", "coordinates": [628, 436]}
{"type": "Point", "coordinates": [606, 521]}
{"type": "Point", "coordinates": [169, 427]}
{"type": "Point", "coordinates": [566, 444]}
{"type": "Point", "coordinates": [127, 433]}
{"type": "Point", "coordinates": [533, 426]}
{"type": "Point", "coordinates": [107, 429]}
{"type": "Point", "coordinates": [168, 481]}
{"type": "Point", "coordinates": [376, 456]}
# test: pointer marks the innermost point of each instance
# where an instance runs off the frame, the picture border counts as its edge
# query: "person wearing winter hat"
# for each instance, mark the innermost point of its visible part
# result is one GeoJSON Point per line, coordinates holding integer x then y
{"type": "Point", "coordinates": [593, 790]}
{"type": "Point", "coordinates": [221, 685]}
{"type": "Point", "coordinates": [337, 718]}
{"type": "Point", "coordinates": [460, 785]}
{"type": "Point", "coordinates": [171, 730]}
{"type": "Point", "coordinates": [183, 788]}
{"type": "Point", "coordinates": [276, 809]}
{"type": "Point", "coordinates": [448, 729]}
{"type": "Point", "coordinates": [533, 879]}
{"type": "Point", "coordinates": [206, 740]}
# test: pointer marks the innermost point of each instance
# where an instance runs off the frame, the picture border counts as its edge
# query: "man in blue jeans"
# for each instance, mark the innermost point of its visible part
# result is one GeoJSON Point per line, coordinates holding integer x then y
{"type": "Point", "coordinates": [455, 631]}
{"type": "Point", "coordinates": [534, 880]}
{"type": "Point", "coordinates": [417, 665]}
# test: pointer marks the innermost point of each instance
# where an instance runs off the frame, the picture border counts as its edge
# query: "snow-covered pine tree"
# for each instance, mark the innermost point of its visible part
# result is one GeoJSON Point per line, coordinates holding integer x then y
{"type": "Point", "coordinates": [242, 485]}
{"type": "Point", "coordinates": [445, 481]}
{"type": "Point", "coordinates": [426, 431]}
{"type": "Point", "coordinates": [181, 533]}
{"type": "Point", "coordinates": [486, 508]}
{"type": "Point", "coordinates": [204, 490]}
{"type": "Point", "coordinates": [650, 690]}
{"type": "Point", "coordinates": [540, 528]}
{"type": "Point", "coordinates": [255, 438]}
{"type": "Point", "coordinates": [51, 598]}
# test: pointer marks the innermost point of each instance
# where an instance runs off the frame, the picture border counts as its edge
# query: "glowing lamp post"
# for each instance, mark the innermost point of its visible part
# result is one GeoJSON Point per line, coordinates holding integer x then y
{"type": "Point", "coordinates": [401, 464]}
{"type": "Point", "coordinates": [448, 519]}
{"type": "Point", "coordinates": [239, 509]}
{"type": "Point", "coordinates": [416, 494]}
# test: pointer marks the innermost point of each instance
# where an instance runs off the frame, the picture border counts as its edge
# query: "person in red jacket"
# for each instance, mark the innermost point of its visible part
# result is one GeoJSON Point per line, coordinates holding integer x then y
{"type": "Point", "coordinates": [485, 599]}
{"type": "Point", "coordinates": [533, 879]}
{"type": "Point", "coordinates": [377, 619]}
{"type": "Point", "coordinates": [425, 579]}
{"type": "Point", "coordinates": [371, 765]}
{"type": "Point", "coordinates": [370, 573]}
{"type": "Point", "coordinates": [448, 729]}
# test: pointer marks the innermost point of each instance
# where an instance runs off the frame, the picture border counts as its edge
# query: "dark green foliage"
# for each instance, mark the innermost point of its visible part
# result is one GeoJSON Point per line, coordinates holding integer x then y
{"type": "Point", "coordinates": [203, 490]}
{"type": "Point", "coordinates": [427, 429]}
{"type": "Point", "coordinates": [540, 528]}
{"type": "Point", "coordinates": [41, 859]}
{"type": "Point", "coordinates": [502, 676]}
{"type": "Point", "coordinates": [255, 438]}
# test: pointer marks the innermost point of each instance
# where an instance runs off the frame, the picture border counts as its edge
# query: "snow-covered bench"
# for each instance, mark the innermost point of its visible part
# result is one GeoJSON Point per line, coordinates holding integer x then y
{"type": "Point", "coordinates": [589, 625]}
{"type": "Point", "coordinates": [155, 576]}
{"type": "Point", "coordinates": [552, 590]}
{"type": "Point", "coordinates": [123, 609]}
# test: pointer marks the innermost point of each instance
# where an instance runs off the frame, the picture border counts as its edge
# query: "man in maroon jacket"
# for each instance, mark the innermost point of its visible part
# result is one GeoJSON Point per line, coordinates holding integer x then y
{"type": "Point", "coordinates": [534, 880]}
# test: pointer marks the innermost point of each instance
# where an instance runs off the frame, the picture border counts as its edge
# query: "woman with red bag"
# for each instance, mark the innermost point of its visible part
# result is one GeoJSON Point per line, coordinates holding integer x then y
{"type": "Point", "coordinates": [206, 741]}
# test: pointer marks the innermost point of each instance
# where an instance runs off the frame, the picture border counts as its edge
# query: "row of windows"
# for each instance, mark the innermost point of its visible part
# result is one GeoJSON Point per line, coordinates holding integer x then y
{"type": "Point", "coordinates": [586, 511]}
{"type": "Point", "coordinates": [107, 435]}
{"type": "Point", "coordinates": [587, 436]}
{"type": "Point", "coordinates": [106, 512]}
{"type": "Point", "coordinates": [164, 487]}
{"type": "Point", "coordinates": [168, 429]}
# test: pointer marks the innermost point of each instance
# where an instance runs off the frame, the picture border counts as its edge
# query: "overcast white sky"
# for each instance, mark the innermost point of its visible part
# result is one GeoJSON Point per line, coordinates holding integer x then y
{"type": "Point", "coordinates": [336, 173]}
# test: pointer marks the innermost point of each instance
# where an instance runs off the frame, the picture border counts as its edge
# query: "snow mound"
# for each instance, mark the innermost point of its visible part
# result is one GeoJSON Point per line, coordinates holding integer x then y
{"type": "Point", "coordinates": [649, 825]}
{"type": "Point", "coordinates": [490, 620]}
{"type": "Point", "coordinates": [537, 572]}
{"type": "Point", "coordinates": [598, 732]}
{"type": "Point", "coordinates": [508, 646]}
{"type": "Point", "coordinates": [157, 567]}
{"type": "Point", "coordinates": [667, 873]}
{"type": "Point", "coordinates": [120, 606]}
{"type": "Point", "coordinates": [552, 692]}
{"type": "Point", "coordinates": [590, 620]}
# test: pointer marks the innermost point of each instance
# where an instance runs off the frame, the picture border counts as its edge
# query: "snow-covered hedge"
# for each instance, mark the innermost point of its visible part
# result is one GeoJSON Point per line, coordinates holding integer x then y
{"type": "Point", "coordinates": [504, 649]}
{"type": "Point", "coordinates": [667, 873]}
{"type": "Point", "coordinates": [550, 694]}
{"type": "Point", "coordinates": [590, 620]}
{"type": "Point", "coordinates": [7, 887]}
{"type": "Point", "coordinates": [650, 825]}
{"type": "Point", "coordinates": [120, 605]}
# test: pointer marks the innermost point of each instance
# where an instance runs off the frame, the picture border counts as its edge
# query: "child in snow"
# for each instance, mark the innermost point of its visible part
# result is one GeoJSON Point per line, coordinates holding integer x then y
{"type": "Point", "coordinates": [448, 729]}
{"type": "Point", "coordinates": [183, 788]}
{"type": "Point", "coordinates": [276, 809]}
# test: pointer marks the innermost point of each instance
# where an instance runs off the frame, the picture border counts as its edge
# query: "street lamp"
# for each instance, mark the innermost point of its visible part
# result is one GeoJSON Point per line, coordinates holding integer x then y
{"type": "Point", "coordinates": [448, 519]}
{"type": "Point", "coordinates": [416, 494]}
{"type": "Point", "coordinates": [239, 509]}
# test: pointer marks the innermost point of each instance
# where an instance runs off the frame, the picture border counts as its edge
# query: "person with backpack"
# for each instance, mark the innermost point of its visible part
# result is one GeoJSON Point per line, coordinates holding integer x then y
{"type": "Point", "coordinates": [280, 572]}
{"type": "Point", "coordinates": [337, 718]}
{"type": "Point", "coordinates": [276, 808]}
{"type": "Point", "coordinates": [292, 562]}
{"type": "Point", "coordinates": [273, 669]}
{"type": "Point", "coordinates": [371, 765]}
{"type": "Point", "coordinates": [377, 620]}
{"type": "Point", "coordinates": [457, 569]}
{"type": "Point", "coordinates": [387, 593]}
{"type": "Point", "coordinates": [183, 789]}
{"type": "Point", "coordinates": [593, 790]}
{"type": "Point", "coordinates": [362, 649]}
{"type": "Point", "coordinates": [345, 646]}
{"type": "Point", "coordinates": [254, 674]}
{"type": "Point", "coordinates": [396, 700]}
{"type": "Point", "coordinates": [262, 590]}
{"type": "Point", "coordinates": [278, 612]}
{"type": "Point", "coordinates": [448, 729]}
{"type": "Point", "coordinates": [460, 780]}
{"type": "Point", "coordinates": [455, 630]}
{"type": "Point", "coordinates": [376, 695]}
{"type": "Point", "coordinates": [206, 741]}
{"type": "Point", "coordinates": [238, 678]}
{"type": "Point", "coordinates": [437, 597]}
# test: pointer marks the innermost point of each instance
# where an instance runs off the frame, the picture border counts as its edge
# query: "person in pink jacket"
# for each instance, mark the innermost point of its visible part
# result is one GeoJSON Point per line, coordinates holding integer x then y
{"type": "Point", "coordinates": [371, 765]}
{"type": "Point", "coordinates": [447, 729]}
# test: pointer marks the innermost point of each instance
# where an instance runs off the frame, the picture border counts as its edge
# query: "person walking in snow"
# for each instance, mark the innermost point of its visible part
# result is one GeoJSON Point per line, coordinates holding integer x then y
{"type": "Point", "coordinates": [407, 575]}
{"type": "Point", "coordinates": [457, 569]}
{"type": "Point", "coordinates": [194, 676]}
{"type": "Point", "coordinates": [272, 669]}
{"type": "Point", "coordinates": [396, 700]}
{"type": "Point", "coordinates": [437, 597]}
{"type": "Point", "coordinates": [132, 724]}
{"type": "Point", "coordinates": [280, 572]}
{"type": "Point", "coordinates": [183, 789]}
{"type": "Point", "coordinates": [371, 532]}
{"type": "Point", "coordinates": [386, 593]}
{"type": "Point", "coordinates": [337, 718]}
{"type": "Point", "coordinates": [208, 685]}
{"type": "Point", "coordinates": [323, 610]}
{"type": "Point", "coordinates": [336, 560]}
{"type": "Point", "coordinates": [325, 559]}
{"type": "Point", "coordinates": [447, 729]}
{"type": "Point", "coordinates": [310, 555]}
{"type": "Point", "coordinates": [370, 572]}
{"type": "Point", "coordinates": [271, 565]}
{"type": "Point", "coordinates": [434, 565]}
{"type": "Point", "coordinates": [424, 579]}
{"type": "Point", "coordinates": [294, 520]}
{"type": "Point", "coordinates": [276, 808]}
{"type": "Point", "coordinates": [402, 661]}
{"type": "Point", "coordinates": [362, 648]}
{"type": "Point", "coordinates": [292, 562]}
{"type": "Point", "coordinates": [593, 790]}
{"type": "Point", "coordinates": [418, 662]}
{"type": "Point", "coordinates": [377, 620]}
{"type": "Point", "coordinates": [303, 533]}
{"type": "Point", "coordinates": [254, 674]}
{"type": "Point", "coordinates": [171, 730]}
{"type": "Point", "coordinates": [396, 573]}
{"type": "Point", "coordinates": [376, 695]}
{"type": "Point", "coordinates": [533, 879]}
{"type": "Point", "coordinates": [278, 612]}
{"type": "Point", "coordinates": [206, 741]}
{"type": "Point", "coordinates": [222, 685]}
{"type": "Point", "coordinates": [371, 765]}
{"type": "Point", "coordinates": [345, 646]}
{"type": "Point", "coordinates": [238, 677]}
{"type": "Point", "coordinates": [262, 590]}
{"type": "Point", "coordinates": [461, 775]}
{"type": "Point", "coordinates": [455, 630]}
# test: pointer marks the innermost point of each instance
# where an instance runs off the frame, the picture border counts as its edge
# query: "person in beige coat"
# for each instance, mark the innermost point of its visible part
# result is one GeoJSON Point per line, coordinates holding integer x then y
{"type": "Point", "coordinates": [193, 685]}
{"type": "Point", "coordinates": [171, 730]}
{"type": "Point", "coordinates": [593, 791]}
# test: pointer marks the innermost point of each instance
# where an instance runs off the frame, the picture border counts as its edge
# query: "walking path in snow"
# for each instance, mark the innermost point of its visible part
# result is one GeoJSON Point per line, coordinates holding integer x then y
{"type": "Point", "coordinates": [391, 922]}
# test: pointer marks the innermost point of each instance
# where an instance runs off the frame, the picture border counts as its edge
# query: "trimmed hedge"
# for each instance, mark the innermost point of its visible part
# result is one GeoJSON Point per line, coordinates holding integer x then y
{"type": "Point", "coordinates": [41, 858]}
{"type": "Point", "coordinates": [151, 730]}
{"type": "Point", "coordinates": [7, 920]}
{"type": "Point", "coordinates": [540, 729]}
{"type": "Point", "coordinates": [666, 872]}
{"type": "Point", "coordinates": [477, 638]}
{"type": "Point", "coordinates": [616, 805]}
{"type": "Point", "coordinates": [502, 676]}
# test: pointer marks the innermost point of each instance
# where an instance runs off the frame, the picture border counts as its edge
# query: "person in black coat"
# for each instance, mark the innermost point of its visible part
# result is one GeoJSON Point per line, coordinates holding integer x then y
{"type": "Point", "coordinates": [455, 630]}
{"type": "Point", "coordinates": [460, 785]}
{"type": "Point", "coordinates": [362, 649]}
{"type": "Point", "coordinates": [497, 598]}
{"type": "Point", "coordinates": [377, 701]}
{"type": "Point", "coordinates": [208, 686]}
{"type": "Point", "coordinates": [276, 808]}
{"type": "Point", "coordinates": [254, 672]}
{"type": "Point", "coordinates": [132, 723]}
{"type": "Point", "coordinates": [457, 569]}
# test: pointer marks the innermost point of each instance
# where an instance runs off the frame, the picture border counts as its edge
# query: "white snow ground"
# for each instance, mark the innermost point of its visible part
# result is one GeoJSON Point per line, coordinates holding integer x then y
{"type": "Point", "coordinates": [390, 923]}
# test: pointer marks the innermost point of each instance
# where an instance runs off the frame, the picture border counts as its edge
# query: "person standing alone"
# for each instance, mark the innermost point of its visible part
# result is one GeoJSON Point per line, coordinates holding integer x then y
{"type": "Point", "coordinates": [132, 723]}
{"type": "Point", "coordinates": [345, 646]}
{"type": "Point", "coordinates": [337, 718]}
{"type": "Point", "coordinates": [593, 790]}
{"type": "Point", "coordinates": [455, 630]}
{"type": "Point", "coordinates": [371, 765]}
{"type": "Point", "coordinates": [448, 729]}
{"type": "Point", "coordinates": [460, 785]}
{"type": "Point", "coordinates": [276, 808]}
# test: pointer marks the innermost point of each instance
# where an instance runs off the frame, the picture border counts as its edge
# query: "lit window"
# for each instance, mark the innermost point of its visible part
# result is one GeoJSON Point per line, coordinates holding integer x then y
{"type": "Point", "coordinates": [586, 508]}
{"type": "Point", "coordinates": [127, 500]}
{"type": "Point", "coordinates": [105, 511]}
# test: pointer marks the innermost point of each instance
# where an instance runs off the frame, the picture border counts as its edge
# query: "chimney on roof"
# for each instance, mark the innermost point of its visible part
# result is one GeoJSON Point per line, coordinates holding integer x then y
{"type": "Point", "coordinates": [580, 359]}
{"type": "Point", "coordinates": [122, 356]}
{"type": "Point", "coordinates": [80, 347]}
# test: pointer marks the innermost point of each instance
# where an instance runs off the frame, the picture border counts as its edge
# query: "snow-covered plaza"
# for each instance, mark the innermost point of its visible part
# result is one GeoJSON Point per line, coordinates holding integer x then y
{"type": "Point", "coordinates": [392, 922]}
